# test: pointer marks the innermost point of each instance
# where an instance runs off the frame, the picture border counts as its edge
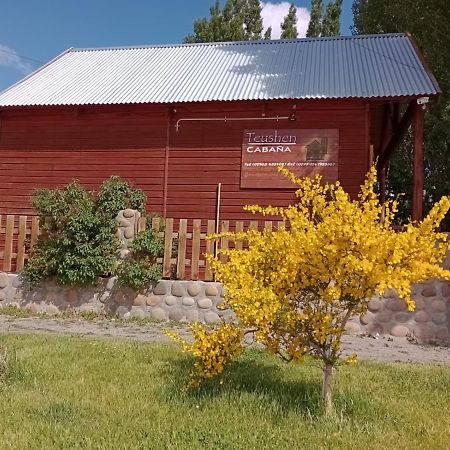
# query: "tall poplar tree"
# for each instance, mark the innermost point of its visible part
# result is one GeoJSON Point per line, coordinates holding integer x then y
{"type": "Point", "coordinates": [252, 20]}
{"type": "Point", "coordinates": [268, 34]}
{"type": "Point", "coordinates": [315, 21]}
{"type": "Point", "coordinates": [331, 22]}
{"type": "Point", "coordinates": [325, 22]}
{"type": "Point", "coordinates": [208, 30]}
{"type": "Point", "coordinates": [238, 20]}
{"type": "Point", "coordinates": [233, 20]}
{"type": "Point", "coordinates": [289, 25]}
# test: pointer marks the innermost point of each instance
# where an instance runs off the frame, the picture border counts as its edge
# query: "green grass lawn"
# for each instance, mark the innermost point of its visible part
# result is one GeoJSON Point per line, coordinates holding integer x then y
{"type": "Point", "coordinates": [62, 393]}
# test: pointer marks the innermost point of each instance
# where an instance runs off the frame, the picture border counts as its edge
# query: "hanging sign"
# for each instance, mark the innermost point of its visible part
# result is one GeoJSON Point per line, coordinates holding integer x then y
{"type": "Point", "coordinates": [306, 153]}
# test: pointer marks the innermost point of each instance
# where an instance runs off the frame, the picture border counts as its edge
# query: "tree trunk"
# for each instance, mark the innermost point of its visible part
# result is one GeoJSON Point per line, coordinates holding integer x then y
{"type": "Point", "coordinates": [327, 389]}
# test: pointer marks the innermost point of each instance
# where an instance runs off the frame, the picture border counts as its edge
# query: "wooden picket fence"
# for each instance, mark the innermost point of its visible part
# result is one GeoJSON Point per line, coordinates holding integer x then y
{"type": "Point", "coordinates": [17, 235]}
{"type": "Point", "coordinates": [185, 243]}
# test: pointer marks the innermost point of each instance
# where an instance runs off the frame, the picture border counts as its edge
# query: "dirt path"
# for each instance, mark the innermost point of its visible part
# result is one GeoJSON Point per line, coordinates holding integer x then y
{"type": "Point", "coordinates": [382, 349]}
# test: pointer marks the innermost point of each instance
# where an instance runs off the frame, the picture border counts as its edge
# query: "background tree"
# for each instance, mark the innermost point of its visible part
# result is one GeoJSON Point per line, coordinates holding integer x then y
{"type": "Point", "coordinates": [315, 21]}
{"type": "Point", "coordinates": [428, 22]}
{"type": "Point", "coordinates": [268, 34]}
{"type": "Point", "coordinates": [325, 22]}
{"type": "Point", "coordinates": [331, 21]}
{"type": "Point", "coordinates": [289, 24]}
{"type": "Point", "coordinates": [208, 30]}
{"type": "Point", "coordinates": [253, 23]}
{"type": "Point", "coordinates": [295, 289]}
{"type": "Point", "coordinates": [238, 20]}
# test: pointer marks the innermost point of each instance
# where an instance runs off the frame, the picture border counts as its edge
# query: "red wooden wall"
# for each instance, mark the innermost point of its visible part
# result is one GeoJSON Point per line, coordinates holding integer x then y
{"type": "Point", "coordinates": [179, 171]}
{"type": "Point", "coordinates": [51, 146]}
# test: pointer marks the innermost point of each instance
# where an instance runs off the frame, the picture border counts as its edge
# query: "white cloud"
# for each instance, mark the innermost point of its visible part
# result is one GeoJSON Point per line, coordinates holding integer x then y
{"type": "Point", "coordinates": [10, 58]}
{"type": "Point", "coordinates": [274, 13]}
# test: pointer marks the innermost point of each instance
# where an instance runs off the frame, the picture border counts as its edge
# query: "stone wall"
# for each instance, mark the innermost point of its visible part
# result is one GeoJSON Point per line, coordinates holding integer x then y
{"type": "Point", "coordinates": [199, 301]}
{"type": "Point", "coordinates": [190, 301]}
{"type": "Point", "coordinates": [430, 322]}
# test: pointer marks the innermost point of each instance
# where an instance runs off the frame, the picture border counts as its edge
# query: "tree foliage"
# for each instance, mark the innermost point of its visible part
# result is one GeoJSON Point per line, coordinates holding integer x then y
{"type": "Point", "coordinates": [289, 24]}
{"type": "Point", "coordinates": [331, 22]}
{"type": "Point", "coordinates": [315, 21]}
{"type": "Point", "coordinates": [295, 289]}
{"type": "Point", "coordinates": [428, 22]}
{"type": "Point", "coordinates": [238, 20]}
{"type": "Point", "coordinates": [78, 241]}
{"type": "Point", "coordinates": [253, 23]}
{"type": "Point", "coordinates": [325, 21]}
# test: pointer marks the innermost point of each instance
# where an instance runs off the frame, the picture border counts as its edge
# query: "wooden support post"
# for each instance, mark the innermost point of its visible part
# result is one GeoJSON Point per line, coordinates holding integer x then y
{"type": "Point", "coordinates": [397, 136]}
{"type": "Point", "coordinates": [418, 163]}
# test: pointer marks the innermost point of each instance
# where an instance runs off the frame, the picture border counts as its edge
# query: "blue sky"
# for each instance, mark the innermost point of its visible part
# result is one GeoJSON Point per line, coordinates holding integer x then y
{"type": "Point", "coordinates": [34, 31]}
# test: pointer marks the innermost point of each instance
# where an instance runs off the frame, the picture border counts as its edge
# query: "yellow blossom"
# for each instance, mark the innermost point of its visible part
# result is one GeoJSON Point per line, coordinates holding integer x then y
{"type": "Point", "coordinates": [296, 287]}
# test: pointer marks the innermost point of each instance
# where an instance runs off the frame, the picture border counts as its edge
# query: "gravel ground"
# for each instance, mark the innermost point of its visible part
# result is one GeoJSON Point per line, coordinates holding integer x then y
{"type": "Point", "coordinates": [366, 347]}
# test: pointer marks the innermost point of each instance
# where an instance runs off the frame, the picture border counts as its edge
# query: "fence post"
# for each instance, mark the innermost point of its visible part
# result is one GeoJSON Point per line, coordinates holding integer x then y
{"type": "Point", "coordinates": [209, 249]}
{"type": "Point", "coordinates": [168, 239]}
{"type": "Point", "coordinates": [8, 243]}
{"type": "Point", "coordinates": [197, 225]}
{"type": "Point", "coordinates": [21, 242]}
{"type": "Point", "coordinates": [181, 257]}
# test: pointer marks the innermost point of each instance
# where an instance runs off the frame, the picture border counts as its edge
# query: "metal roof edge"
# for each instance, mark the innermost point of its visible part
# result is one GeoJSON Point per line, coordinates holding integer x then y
{"type": "Point", "coordinates": [183, 102]}
{"type": "Point", "coordinates": [36, 71]}
{"type": "Point", "coordinates": [251, 42]}
{"type": "Point", "coordinates": [424, 63]}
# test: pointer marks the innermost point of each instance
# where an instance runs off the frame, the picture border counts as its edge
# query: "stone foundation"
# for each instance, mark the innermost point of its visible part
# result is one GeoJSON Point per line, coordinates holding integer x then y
{"type": "Point", "coordinates": [182, 301]}
{"type": "Point", "coordinates": [199, 301]}
{"type": "Point", "coordinates": [430, 322]}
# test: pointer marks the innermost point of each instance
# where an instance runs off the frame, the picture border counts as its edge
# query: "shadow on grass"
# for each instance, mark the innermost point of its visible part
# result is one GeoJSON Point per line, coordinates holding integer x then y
{"type": "Point", "coordinates": [269, 387]}
{"type": "Point", "coordinates": [250, 374]}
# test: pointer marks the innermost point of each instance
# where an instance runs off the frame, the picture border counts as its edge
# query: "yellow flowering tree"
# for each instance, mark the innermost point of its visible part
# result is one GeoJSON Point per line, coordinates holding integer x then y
{"type": "Point", "coordinates": [296, 288]}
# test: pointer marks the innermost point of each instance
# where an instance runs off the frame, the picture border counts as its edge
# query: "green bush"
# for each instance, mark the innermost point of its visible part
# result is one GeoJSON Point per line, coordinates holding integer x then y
{"type": "Point", "coordinates": [116, 194]}
{"type": "Point", "coordinates": [141, 268]}
{"type": "Point", "coordinates": [78, 243]}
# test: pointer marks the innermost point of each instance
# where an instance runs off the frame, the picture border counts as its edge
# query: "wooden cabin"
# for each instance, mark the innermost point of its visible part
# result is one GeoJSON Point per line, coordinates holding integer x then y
{"type": "Point", "coordinates": [177, 120]}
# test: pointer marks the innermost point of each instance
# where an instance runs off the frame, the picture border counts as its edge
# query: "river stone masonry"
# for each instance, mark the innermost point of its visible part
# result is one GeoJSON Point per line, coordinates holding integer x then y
{"type": "Point", "coordinates": [127, 225]}
{"type": "Point", "coordinates": [389, 315]}
{"type": "Point", "coordinates": [181, 301]}
{"type": "Point", "coordinates": [200, 301]}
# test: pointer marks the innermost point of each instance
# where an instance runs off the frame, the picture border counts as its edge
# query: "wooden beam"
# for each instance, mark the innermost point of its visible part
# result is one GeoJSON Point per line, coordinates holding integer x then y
{"type": "Point", "coordinates": [395, 140]}
{"type": "Point", "coordinates": [418, 162]}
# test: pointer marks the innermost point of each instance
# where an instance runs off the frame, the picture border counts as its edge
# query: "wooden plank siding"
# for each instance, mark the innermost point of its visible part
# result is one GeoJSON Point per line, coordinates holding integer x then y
{"type": "Point", "coordinates": [50, 146]}
{"type": "Point", "coordinates": [203, 154]}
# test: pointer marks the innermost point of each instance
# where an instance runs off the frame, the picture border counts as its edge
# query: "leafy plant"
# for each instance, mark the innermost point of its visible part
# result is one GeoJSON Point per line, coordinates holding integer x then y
{"type": "Point", "coordinates": [141, 267]}
{"type": "Point", "coordinates": [78, 243]}
{"type": "Point", "coordinates": [295, 289]}
{"type": "Point", "coordinates": [116, 194]}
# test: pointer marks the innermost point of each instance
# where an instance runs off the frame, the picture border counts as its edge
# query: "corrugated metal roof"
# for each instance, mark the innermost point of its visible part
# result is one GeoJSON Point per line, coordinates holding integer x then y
{"type": "Point", "coordinates": [341, 67]}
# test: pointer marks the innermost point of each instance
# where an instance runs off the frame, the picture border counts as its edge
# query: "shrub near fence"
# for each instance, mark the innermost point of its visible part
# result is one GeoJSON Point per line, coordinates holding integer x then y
{"type": "Point", "coordinates": [185, 244]}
